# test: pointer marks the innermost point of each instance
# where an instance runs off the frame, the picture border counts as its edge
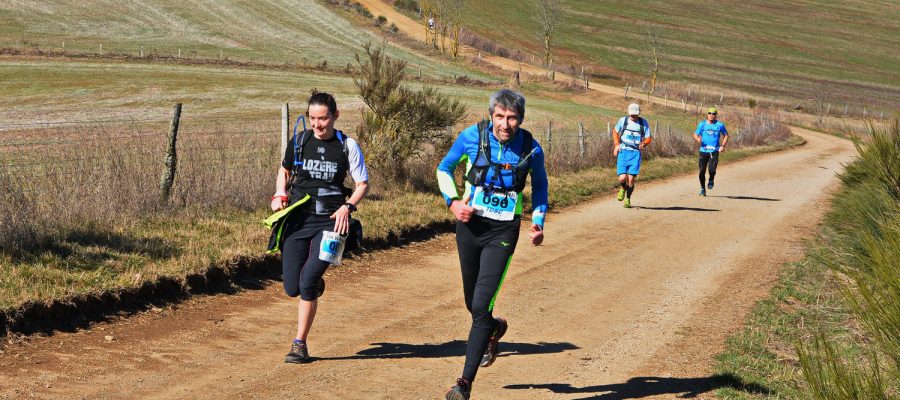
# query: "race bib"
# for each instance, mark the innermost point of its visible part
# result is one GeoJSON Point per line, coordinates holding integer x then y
{"type": "Point", "coordinates": [499, 206]}
{"type": "Point", "coordinates": [710, 148]}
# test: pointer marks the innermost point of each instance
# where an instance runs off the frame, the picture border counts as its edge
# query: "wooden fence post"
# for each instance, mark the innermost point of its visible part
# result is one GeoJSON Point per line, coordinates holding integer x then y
{"type": "Point", "coordinates": [549, 135]}
{"type": "Point", "coordinates": [669, 135]}
{"type": "Point", "coordinates": [581, 139]}
{"type": "Point", "coordinates": [171, 162]}
{"type": "Point", "coordinates": [285, 128]}
{"type": "Point", "coordinates": [626, 92]}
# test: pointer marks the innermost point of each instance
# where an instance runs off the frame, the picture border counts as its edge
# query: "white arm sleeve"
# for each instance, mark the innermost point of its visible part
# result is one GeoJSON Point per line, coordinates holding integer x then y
{"type": "Point", "coordinates": [358, 170]}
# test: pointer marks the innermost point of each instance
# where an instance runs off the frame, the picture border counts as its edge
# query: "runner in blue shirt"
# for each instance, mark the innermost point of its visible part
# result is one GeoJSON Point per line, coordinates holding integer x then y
{"type": "Point", "coordinates": [712, 137]}
{"type": "Point", "coordinates": [499, 155]}
{"type": "Point", "coordinates": [631, 135]}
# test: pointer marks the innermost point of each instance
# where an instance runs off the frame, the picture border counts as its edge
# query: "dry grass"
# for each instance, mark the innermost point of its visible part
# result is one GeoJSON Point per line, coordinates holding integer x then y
{"type": "Point", "coordinates": [81, 216]}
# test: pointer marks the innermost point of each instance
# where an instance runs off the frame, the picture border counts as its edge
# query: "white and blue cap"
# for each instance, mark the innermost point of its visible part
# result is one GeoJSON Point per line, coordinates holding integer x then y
{"type": "Point", "coordinates": [634, 109]}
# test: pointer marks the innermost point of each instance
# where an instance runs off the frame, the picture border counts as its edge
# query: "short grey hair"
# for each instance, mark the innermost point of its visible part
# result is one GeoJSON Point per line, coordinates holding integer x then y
{"type": "Point", "coordinates": [510, 100]}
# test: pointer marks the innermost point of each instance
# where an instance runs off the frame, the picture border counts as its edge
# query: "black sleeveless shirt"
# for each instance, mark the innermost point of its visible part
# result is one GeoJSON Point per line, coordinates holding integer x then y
{"type": "Point", "coordinates": [321, 175]}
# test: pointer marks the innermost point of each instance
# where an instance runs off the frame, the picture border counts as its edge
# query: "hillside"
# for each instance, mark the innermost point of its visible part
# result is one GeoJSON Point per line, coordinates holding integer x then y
{"type": "Point", "coordinates": [268, 31]}
{"type": "Point", "coordinates": [847, 50]}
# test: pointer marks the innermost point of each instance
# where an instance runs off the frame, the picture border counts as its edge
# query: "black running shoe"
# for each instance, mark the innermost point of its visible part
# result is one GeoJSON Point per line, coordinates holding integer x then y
{"type": "Point", "coordinates": [298, 354]}
{"type": "Point", "coordinates": [490, 355]}
{"type": "Point", "coordinates": [710, 185]}
{"type": "Point", "coordinates": [460, 391]}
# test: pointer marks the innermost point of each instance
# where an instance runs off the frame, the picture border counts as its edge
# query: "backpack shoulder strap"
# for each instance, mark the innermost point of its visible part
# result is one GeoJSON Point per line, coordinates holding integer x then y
{"type": "Point", "coordinates": [343, 139]}
{"type": "Point", "coordinates": [527, 147]}
{"type": "Point", "coordinates": [484, 141]}
{"type": "Point", "coordinates": [298, 147]}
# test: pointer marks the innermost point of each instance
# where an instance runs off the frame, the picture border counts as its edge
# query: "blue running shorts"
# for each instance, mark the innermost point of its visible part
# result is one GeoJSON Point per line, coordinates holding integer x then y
{"type": "Point", "coordinates": [629, 162]}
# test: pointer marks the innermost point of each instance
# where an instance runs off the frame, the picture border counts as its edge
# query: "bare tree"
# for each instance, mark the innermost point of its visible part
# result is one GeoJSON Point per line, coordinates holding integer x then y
{"type": "Point", "coordinates": [454, 20]}
{"type": "Point", "coordinates": [443, 9]}
{"type": "Point", "coordinates": [655, 48]}
{"type": "Point", "coordinates": [548, 15]}
{"type": "Point", "coordinates": [429, 9]}
{"type": "Point", "coordinates": [819, 100]}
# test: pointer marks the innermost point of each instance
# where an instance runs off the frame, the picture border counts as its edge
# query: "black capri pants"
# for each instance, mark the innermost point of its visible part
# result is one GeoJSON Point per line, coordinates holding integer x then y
{"type": "Point", "coordinates": [301, 267]}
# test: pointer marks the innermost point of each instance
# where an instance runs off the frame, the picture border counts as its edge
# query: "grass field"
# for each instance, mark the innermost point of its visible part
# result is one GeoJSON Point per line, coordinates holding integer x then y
{"type": "Point", "coordinates": [270, 31]}
{"type": "Point", "coordinates": [846, 49]}
{"type": "Point", "coordinates": [41, 90]}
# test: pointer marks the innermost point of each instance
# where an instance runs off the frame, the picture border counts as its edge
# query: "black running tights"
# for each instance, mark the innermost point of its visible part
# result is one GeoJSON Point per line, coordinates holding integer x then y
{"type": "Point", "coordinates": [485, 250]}
{"type": "Point", "coordinates": [712, 160]}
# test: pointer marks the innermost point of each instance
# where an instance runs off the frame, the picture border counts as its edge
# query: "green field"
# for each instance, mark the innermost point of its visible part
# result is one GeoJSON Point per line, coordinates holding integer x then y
{"type": "Point", "coordinates": [271, 31]}
{"type": "Point", "coordinates": [38, 90]}
{"type": "Point", "coordinates": [847, 49]}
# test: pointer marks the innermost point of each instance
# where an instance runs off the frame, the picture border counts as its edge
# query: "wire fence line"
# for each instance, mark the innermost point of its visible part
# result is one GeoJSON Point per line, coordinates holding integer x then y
{"type": "Point", "coordinates": [76, 147]}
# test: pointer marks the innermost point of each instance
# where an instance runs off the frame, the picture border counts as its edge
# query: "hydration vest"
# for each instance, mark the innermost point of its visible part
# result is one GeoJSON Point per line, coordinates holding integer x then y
{"type": "Point", "coordinates": [478, 173]}
{"type": "Point", "coordinates": [640, 122]}
{"type": "Point", "coordinates": [298, 144]}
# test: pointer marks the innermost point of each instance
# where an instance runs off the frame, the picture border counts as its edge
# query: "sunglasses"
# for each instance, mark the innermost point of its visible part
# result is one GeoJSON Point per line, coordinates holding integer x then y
{"type": "Point", "coordinates": [711, 113]}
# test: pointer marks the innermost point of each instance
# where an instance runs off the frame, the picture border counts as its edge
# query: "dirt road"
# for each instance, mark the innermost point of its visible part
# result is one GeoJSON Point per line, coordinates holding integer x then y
{"type": "Point", "coordinates": [613, 297]}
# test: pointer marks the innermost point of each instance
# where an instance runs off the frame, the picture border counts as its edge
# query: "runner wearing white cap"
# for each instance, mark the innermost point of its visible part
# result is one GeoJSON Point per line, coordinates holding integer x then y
{"type": "Point", "coordinates": [631, 135]}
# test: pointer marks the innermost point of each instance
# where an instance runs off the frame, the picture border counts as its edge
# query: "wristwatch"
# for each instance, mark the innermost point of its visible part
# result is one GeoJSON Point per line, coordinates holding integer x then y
{"type": "Point", "coordinates": [350, 207]}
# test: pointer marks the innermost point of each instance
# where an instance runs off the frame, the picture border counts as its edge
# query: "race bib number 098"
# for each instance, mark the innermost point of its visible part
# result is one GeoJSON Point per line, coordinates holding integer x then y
{"type": "Point", "coordinates": [499, 206]}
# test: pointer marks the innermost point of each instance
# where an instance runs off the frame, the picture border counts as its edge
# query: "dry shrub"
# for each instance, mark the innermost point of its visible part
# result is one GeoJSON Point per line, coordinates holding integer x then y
{"type": "Point", "coordinates": [106, 177]}
{"type": "Point", "coordinates": [486, 45]}
{"type": "Point", "coordinates": [564, 152]}
{"type": "Point", "coordinates": [401, 124]}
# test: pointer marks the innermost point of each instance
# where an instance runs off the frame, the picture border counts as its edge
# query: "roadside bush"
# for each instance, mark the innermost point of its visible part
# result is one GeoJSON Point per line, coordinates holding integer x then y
{"type": "Point", "coordinates": [361, 9]}
{"type": "Point", "coordinates": [401, 123]}
{"type": "Point", "coordinates": [863, 250]}
{"type": "Point", "coordinates": [564, 152]}
{"type": "Point", "coordinates": [381, 20]}
{"type": "Point", "coordinates": [20, 224]}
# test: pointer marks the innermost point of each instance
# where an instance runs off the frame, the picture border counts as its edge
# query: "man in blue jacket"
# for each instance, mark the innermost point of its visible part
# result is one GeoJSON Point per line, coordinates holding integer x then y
{"type": "Point", "coordinates": [499, 155]}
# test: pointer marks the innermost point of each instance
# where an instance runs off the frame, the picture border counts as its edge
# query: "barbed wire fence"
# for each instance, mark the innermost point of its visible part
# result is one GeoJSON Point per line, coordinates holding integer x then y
{"type": "Point", "coordinates": [80, 149]}
{"type": "Point", "coordinates": [58, 175]}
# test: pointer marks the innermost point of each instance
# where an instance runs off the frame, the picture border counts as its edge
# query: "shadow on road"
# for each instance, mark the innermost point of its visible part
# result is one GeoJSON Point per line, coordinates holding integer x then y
{"type": "Point", "coordinates": [640, 387]}
{"type": "Point", "coordinates": [453, 348]}
{"type": "Point", "coordinates": [677, 208]}
{"type": "Point", "coordinates": [747, 198]}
